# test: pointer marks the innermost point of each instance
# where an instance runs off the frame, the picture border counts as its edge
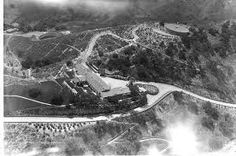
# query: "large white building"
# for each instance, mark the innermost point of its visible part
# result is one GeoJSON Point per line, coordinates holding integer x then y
{"type": "Point", "coordinates": [177, 29]}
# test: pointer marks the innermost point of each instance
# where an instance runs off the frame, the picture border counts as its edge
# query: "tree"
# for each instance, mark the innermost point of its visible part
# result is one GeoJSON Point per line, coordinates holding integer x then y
{"type": "Point", "coordinates": [34, 92]}
{"type": "Point", "coordinates": [225, 33]}
{"type": "Point", "coordinates": [74, 147]}
{"type": "Point", "coordinates": [12, 6]}
{"type": "Point", "coordinates": [193, 108]}
{"type": "Point", "coordinates": [171, 50]}
{"type": "Point", "coordinates": [100, 53]}
{"type": "Point", "coordinates": [133, 89]}
{"type": "Point", "coordinates": [210, 111]}
{"type": "Point", "coordinates": [162, 23]}
{"type": "Point", "coordinates": [69, 63]}
{"type": "Point", "coordinates": [60, 27]}
{"type": "Point", "coordinates": [115, 56]}
{"type": "Point", "coordinates": [227, 126]}
{"type": "Point", "coordinates": [24, 27]}
{"type": "Point", "coordinates": [213, 31]}
{"type": "Point", "coordinates": [208, 123]}
{"type": "Point", "coordinates": [182, 56]}
{"type": "Point", "coordinates": [178, 96]}
{"type": "Point", "coordinates": [233, 29]}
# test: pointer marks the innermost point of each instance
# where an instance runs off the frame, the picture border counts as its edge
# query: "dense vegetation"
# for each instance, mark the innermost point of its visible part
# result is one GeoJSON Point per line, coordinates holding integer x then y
{"type": "Point", "coordinates": [176, 62]}
{"type": "Point", "coordinates": [147, 65]}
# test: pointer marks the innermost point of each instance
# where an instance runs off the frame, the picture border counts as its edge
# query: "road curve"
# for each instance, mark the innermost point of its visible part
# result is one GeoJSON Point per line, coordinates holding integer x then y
{"type": "Point", "coordinates": [92, 42]}
{"type": "Point", "coordinates": [173, 88]}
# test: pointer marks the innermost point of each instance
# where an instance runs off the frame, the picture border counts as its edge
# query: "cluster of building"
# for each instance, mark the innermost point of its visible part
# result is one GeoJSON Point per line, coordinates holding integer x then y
{"type": "Point", "coordinates": [82, 75]}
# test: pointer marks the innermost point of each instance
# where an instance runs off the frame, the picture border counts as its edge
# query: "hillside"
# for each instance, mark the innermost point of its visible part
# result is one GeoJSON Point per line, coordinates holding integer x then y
{"type": "Point", "coordinates": [120, 77]}
{"type": "Point", "coordinates": [85, 16]}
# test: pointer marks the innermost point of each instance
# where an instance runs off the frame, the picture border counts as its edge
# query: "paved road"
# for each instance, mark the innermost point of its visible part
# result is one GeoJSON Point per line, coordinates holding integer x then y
{"type": "Point", "coordinates": [164, 90]}
{"type": "Point", "coordinates": [36, 101]}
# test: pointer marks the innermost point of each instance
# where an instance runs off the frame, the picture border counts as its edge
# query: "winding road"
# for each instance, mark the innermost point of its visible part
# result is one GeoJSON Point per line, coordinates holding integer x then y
{"type": "Point", "coordinates": [164, 90]}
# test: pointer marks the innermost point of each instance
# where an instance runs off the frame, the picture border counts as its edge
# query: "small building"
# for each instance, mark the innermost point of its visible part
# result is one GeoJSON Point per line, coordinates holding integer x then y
{"type": "Point", "coordinates": [12, 30]}
{"type": "Point", "coordinates": [67, 32]}
{"type": "Point", "coordinates": [16, 25]}
{"type": "Point", "coordinates": [50, 35]}
{"type": "Point", "coordinates": [116, 91]}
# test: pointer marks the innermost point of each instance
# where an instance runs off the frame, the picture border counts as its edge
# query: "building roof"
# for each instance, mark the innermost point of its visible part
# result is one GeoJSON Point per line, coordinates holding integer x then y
{"type": "Point", "coordinates": [81, 69]}
{"type": "Point", "coordinates": [79, 90]}
{"type": "Point", "coordinates": [70, 84]}
{"type": "Point", "coordinates": [49, 35]}
{"type": "Point", "coordinates": [180, 28]}
{"type": "Point", "coordinates": [70, 74]}
{"type": "Point", "coordinates": [61, 80]}
{"type": "Point", "coordinates": [116, 91]}
{"type": "Point", "coordinates": [97, 83]}
{"type": "Point", "coordinates": [79, 78]}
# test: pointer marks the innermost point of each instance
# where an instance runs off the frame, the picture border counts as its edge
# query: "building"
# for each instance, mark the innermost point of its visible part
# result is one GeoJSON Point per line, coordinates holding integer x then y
{"type": "Point", "coordinates": [71, 86]}
{"type": "Point", "coordinates": [116, 91]}
{"type": "Point", "coordinates": [12, 30]}
{"type": "Point", "coordinates": [70, 74]}
{"type": "Point", "coordinates": [96, 83]}
{"type": "Point", "coordinates": [83, 74]}
{"type": "Point", "coordinates": [50, 35]}
{"type": "Point", "coordinates": [79, 79]}
{"type": "Point", "coordinates": [177, 29]}
{"type": "Point", "coordinates": [81, 69]}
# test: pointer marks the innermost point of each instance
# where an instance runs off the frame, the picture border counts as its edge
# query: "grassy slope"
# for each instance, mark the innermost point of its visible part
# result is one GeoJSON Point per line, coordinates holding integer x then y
{"type": "Point", "coordinates": [48, 90]}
